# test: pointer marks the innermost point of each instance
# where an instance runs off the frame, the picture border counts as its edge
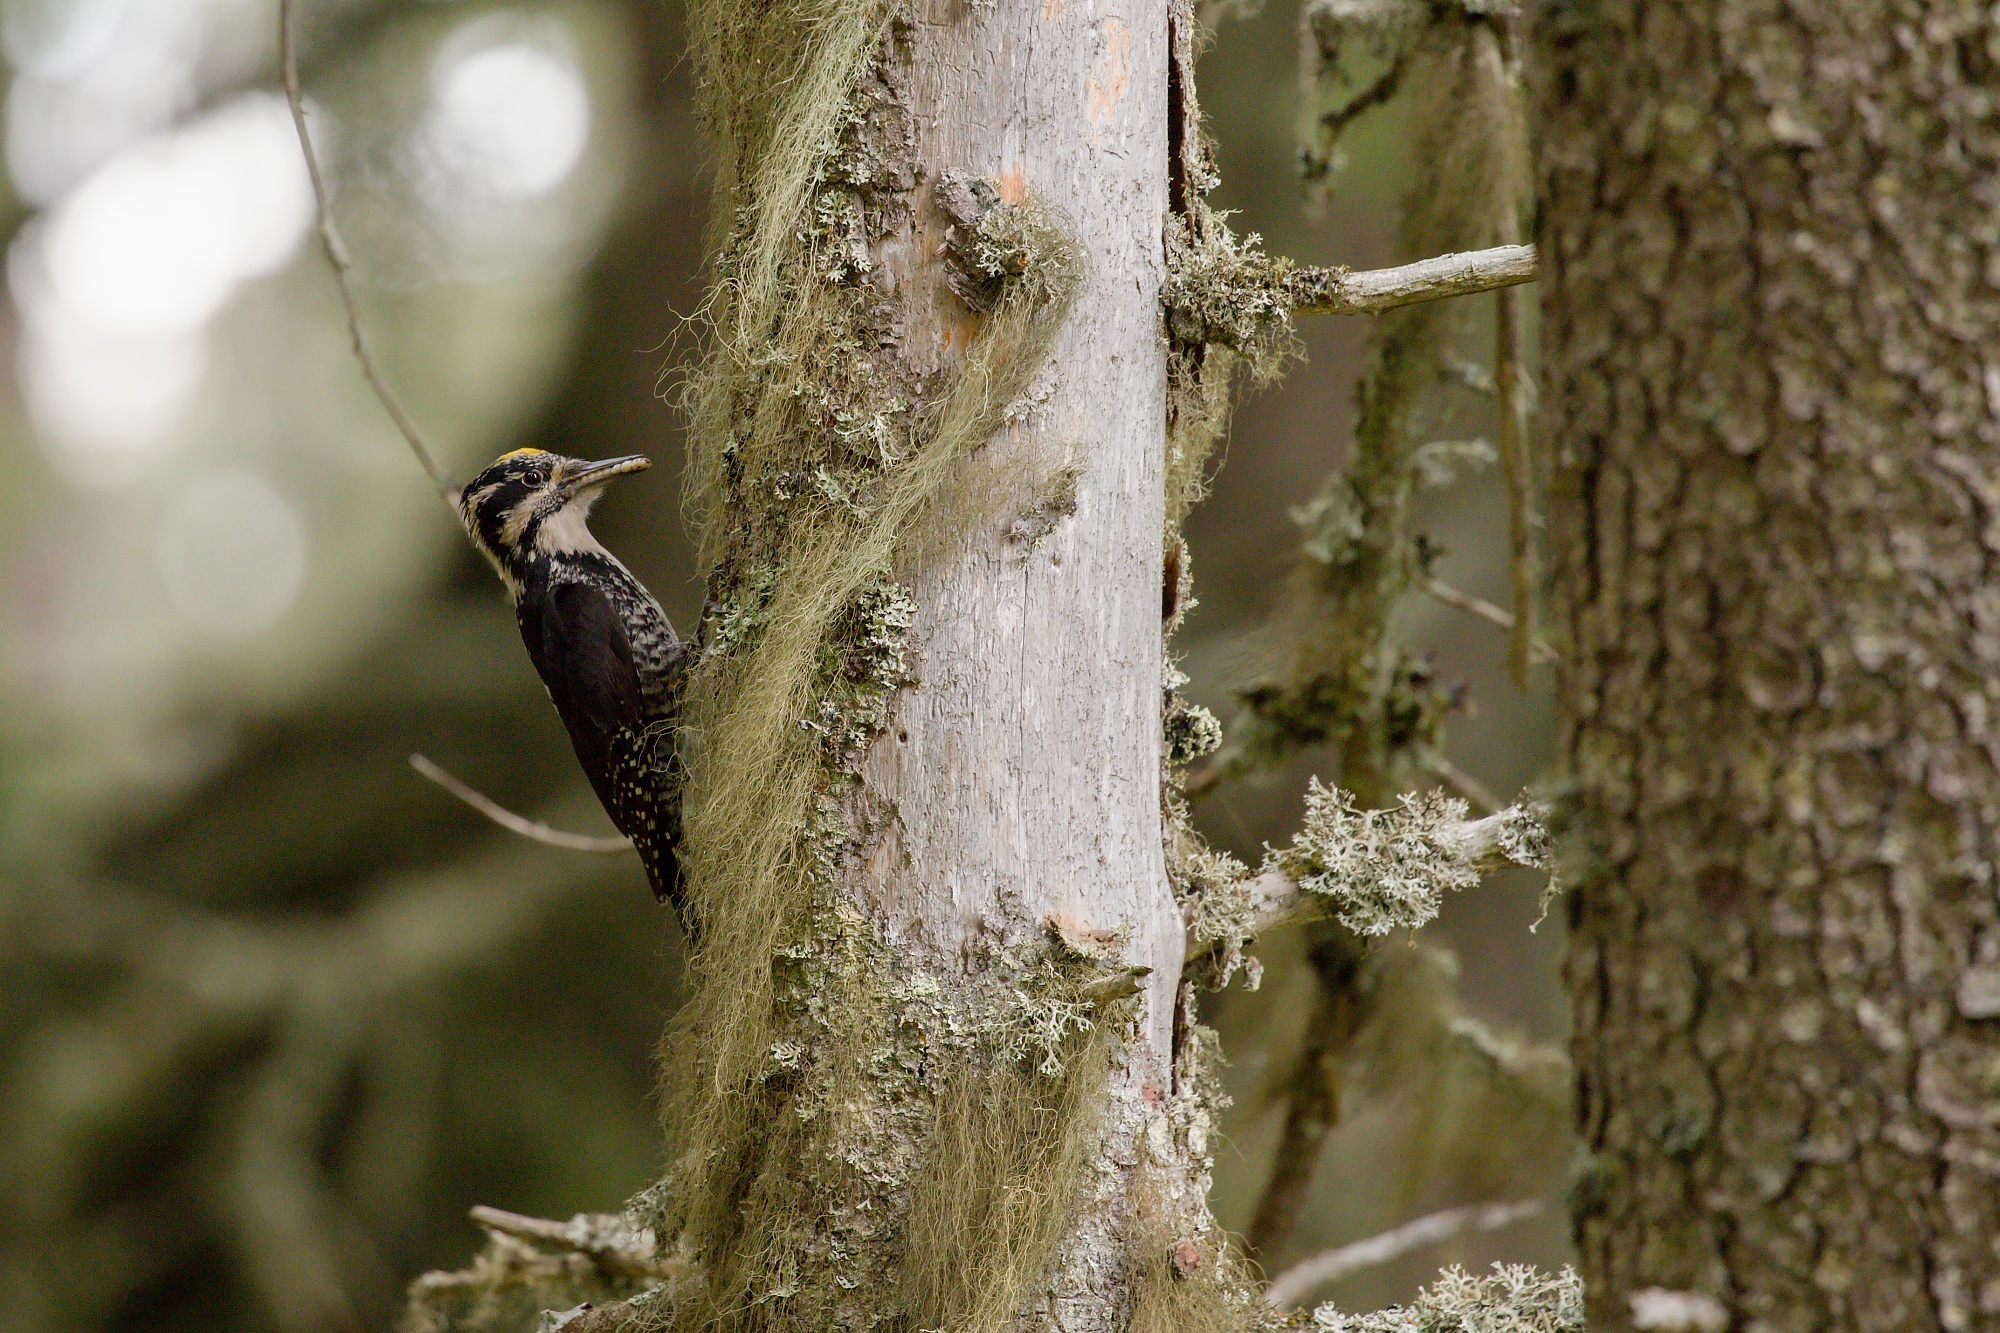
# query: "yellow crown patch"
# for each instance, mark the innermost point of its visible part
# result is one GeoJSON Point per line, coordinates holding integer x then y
{"type": "Point", "coordinates": [518, 453]}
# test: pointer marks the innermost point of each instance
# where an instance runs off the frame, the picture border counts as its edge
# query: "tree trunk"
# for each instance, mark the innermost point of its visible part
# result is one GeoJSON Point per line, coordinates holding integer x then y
{"type": "Point", "coordinates": [931, 1075]}
{"type": "Point", "coordinates": [1024, 763]}
{"type": "Point", "coordinates": [1768, 254]}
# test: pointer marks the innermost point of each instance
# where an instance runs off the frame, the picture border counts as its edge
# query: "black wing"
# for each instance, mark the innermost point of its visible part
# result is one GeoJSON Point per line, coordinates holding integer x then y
{"type": "Point", "coordinates": [585, 659]}
{"type": "Point", "coordinates": [584, 656]}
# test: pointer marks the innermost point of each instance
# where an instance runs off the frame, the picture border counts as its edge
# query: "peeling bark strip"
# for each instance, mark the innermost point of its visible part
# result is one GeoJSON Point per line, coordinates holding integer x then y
{"type": "Point", "coordinates": [1768, 240]}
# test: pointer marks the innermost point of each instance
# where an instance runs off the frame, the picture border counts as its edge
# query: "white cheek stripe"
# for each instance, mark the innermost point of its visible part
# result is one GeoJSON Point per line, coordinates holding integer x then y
{"type": "Point", "coordinates": [517, 522]}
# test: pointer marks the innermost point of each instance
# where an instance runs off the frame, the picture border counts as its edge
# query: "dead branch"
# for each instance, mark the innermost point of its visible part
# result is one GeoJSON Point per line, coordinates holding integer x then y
{"type": "Point", "coordinates": [1523, 647]}
{"type": "Point", "coordinates": [1512, 384]}
{"type": "Point", "coordinates": [1240, 297]}
{"type": "Point", "coordinates": [1291, 1287]}
{"type": "Point", "coordinates": [611, 1241]}
{"type": "Point", "coordinates": [1337, 291]}
{"type": "Point", "coordinates": [1273, 896]}
{"type": "Point", "coordinates": [568, 1270]}
{"type": "Point", "coordinates": [528, 828]}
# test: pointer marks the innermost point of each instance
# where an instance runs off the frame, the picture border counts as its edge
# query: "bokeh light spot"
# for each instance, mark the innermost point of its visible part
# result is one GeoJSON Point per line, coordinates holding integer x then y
{"type": "Point", "coordinates": [160, 236]}
{"type": "Point", "coordinates": [508, 119]}
{"type": "Point", "coordinates": [90, 76]}
{"type": "Point", "coordinates": [117, 284]}
{"type": "Point", "coordinates": [103, 405]}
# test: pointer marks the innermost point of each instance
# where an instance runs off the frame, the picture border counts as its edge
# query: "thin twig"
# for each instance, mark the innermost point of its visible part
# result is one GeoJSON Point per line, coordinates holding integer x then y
{"type": "Point", "coordinates": [1308, 1275]}
{"type": "Point", "coordinates": [1336, 291]}
{"type": "Point", "coordinates": [336, 255]}
{"type": "Point", "coordinates": [1485, 610]}
{"type": "Point", "coordinates": [1333, 122]}
{"type": "Point", "coordinates": [1509, 384]}
{"type": "Point", "coordinates": [513, 823]}
{"type": "Point", "coordinates": [1471, 788]}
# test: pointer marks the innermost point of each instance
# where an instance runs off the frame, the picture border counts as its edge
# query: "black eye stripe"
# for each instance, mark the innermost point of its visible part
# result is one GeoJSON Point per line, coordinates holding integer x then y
{"type": "Point", "coordinates": [500, 503]}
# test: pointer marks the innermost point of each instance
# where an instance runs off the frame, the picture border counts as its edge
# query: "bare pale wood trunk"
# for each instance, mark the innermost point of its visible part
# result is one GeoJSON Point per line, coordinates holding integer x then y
{"type": "Point", "coordinates": [1024, 767]}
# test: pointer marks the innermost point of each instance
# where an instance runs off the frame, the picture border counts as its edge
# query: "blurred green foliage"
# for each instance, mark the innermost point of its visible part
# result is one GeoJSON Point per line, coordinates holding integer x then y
{"type": "Point", "coordinates": [276, 1012]}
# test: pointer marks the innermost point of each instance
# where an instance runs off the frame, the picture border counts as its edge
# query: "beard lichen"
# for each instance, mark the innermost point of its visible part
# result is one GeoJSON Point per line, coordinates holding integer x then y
{"type": "Point", "coordinates": [829, 1106]}
{"type": "Point", "coordinates": [1014, 1124]}
{"type": "Point", "coordinates": [1181, 1271]}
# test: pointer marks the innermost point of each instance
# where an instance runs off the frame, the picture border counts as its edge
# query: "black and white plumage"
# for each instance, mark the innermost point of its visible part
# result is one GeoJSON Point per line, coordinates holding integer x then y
{"type": "Point", "coordinates": [602, 645]}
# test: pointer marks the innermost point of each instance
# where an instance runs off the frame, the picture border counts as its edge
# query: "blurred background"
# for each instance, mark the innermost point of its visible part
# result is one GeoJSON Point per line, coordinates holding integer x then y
{"type": "Point", "coordinates": [276, 1012]}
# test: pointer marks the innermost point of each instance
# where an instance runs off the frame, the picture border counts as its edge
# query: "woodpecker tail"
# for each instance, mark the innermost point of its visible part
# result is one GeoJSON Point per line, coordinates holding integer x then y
{"type": "Point", "coordinates": [663, 868]}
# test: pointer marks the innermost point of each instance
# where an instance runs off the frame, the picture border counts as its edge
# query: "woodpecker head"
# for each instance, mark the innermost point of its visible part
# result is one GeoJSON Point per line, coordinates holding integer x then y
{"type": "Point", "coordinates": [530, 506]}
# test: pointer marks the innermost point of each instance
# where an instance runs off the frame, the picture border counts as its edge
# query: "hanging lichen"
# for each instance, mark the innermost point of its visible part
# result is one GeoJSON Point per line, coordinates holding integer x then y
{"type": "Point", "coordinates": [1185, 1278]}
{"type": "Point", "coordinates": [1011, 1133]}
{"type": "Point", "coordinates": [819, 1085]}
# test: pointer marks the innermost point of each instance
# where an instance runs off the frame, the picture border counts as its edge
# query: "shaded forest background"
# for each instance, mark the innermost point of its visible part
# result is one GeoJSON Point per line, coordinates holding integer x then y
{"type": "Point", "coordinates": [275, 1011]}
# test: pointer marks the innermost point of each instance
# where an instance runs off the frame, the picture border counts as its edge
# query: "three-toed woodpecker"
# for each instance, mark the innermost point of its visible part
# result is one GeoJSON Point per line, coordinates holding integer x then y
{"type": "Point", "coordinates": [607, 653]}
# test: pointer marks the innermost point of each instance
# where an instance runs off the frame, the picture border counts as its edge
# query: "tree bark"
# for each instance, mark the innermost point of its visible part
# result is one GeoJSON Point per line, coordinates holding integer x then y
{"type": "Point", "coordinates": [1024, 765]}
{"type": "Point", "coordinates": [1767, 248]}
{"type": "Point", "coordinates": [926, 833]}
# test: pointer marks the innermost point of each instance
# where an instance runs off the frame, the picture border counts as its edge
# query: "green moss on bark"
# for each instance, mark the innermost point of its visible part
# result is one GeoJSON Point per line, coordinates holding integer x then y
{"type": "Point", "coordinates": [819, 1087]}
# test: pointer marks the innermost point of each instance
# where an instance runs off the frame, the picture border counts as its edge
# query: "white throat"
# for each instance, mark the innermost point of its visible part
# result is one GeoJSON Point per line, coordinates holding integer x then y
{"type": "Point", "coordinates": [566, 532]}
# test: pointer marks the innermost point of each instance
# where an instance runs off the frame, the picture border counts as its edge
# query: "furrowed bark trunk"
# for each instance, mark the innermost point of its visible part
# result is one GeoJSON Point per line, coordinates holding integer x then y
{"type": "Point", "coordinates": [1768, 251]}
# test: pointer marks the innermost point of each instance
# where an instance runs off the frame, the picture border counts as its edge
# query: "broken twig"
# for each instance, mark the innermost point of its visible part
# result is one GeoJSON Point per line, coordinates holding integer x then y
{"type": "Point", "coordinates": [1337, 291]}
{"type": "Point", "coordinates": [1246, 299]}
{"type": "Point", "coordinates": [610, 1240]}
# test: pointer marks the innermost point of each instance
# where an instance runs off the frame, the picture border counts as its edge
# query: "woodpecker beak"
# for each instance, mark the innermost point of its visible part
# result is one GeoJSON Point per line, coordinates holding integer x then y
{"type": "Point", "coordinates": [596, 474]}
